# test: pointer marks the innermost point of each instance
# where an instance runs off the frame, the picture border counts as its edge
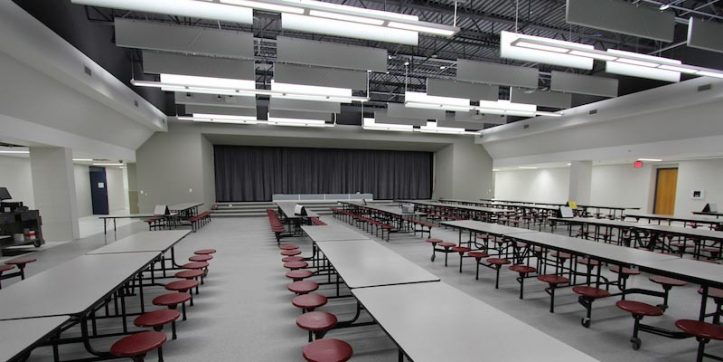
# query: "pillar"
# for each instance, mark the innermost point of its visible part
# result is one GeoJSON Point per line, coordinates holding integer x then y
{"type": "Point", "coordinates": [580, 181]}
{"type": "Point", "coordinates": [54, 190]}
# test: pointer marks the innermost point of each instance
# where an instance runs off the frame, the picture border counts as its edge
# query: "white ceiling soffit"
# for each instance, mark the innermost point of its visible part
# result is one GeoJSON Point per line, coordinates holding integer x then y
{"type": "Point", "coordinates": [301, 105]}
{"type": "Point", "coordinates": [183, 39]}
{"type": "Point", "coordinates": [324, 77]}
{"type": "Point", "coordinates": [194, 9]}
{"type": "Point", "coordinates": [227, 111]}
{"type": "Point", "coordinates": [384, 117]}
{"type": "Point", "coordinates": [202, 99]}
{"type": "Point", "coordinates": [622, 17]}
{"type": "Point", "coordinates": [312, 52]}
{"type": "Point", "coordinates": [277, 113]}
{"type": "Point", "coordinates": [169, 63]}
{"type": "Point", "coordinates": [583, 84]}
{"type": "Point", "coordinates": [398, 110]}
{"type": "Point", "coordinates": [705, 35]}
{"type": "Point", "coordinates": [476, 117]}
{"type": "Point", "coordinates": [493, 73]}
{"type": "Point", "coordinates": [309, 24]}
{"type": "Point", "coordinates": [450, 88]}
{"type": "Point", "coordinates": [541, 98]}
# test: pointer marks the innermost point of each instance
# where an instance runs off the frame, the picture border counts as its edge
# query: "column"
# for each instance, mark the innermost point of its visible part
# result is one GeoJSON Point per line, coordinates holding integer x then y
{"type": "Point", "coordinates": [580, 181]}
{"type": "Point", "coordinates": [54, 189]}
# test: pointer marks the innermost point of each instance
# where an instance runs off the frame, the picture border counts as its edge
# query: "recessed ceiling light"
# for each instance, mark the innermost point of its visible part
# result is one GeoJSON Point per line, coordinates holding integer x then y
{"type": "Point", "coordinates": [443, 67]}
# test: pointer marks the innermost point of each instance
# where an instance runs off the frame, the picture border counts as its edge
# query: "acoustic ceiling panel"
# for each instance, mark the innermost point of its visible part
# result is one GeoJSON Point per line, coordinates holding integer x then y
{"type": "Point", "coordinates": [583, 84]}
{"type": "Point", "coordinates": [183, 39]}
{"type": "Point", "coordinates": [541, 98]}
{"type": "Point", "coordinates": [474, 117]}
{"type": "Point", "coordinates": [622, 17]}
{"type": "Point", "coordinates": [398, 110]}
{"type": "Point", "coordinates": [215, 100]}
{"type": "Point", "coordinates": [327, 117]}
{"type": "Point", "coordinates": [473, 91]}
{"type": "Point", "coordinates": [228, 111]}
{"type": "Point", "coordinates": [299, 105]}
{"type": "Point", "coordinates": [292, 50]}
{"type": "Point", "coordinates": [169, 63]}
{"type": "Point", "coordinates": [493, 73]}
{"type": "Point", "coordinates": [383, 117]}
{"type": "Point", "coordinates": [325, 77]}
{"type": "Point", "coordinates": [706, 35]}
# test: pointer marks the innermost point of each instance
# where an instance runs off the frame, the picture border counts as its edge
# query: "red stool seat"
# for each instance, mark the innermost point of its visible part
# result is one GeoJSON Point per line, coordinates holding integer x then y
{"type": "Point", "coordinates": [157, 318]}
{"type": "Point", "coordinates": [327, 350]}
{"type": "Point", "coordinates": [434, 241]}
{"type": "Point", "coordinates": [316, 321]}
{"type": "Point", "coordinates": [552, 279]}
{"type": "Point", "coordinates": [21, 261]}
{"type": "Point", "coordinates": [560, 255]}
{"type": "Point", "coordinates": [588, 261]}
{"type": "Point", "coordinates": [714, 293]}
{"type": "Point", "coordinates": [460, 249]}
{"type": "Point", "coordinates": [293, 265]}
{"type": "Point", "coordinates": [171, 299]}
{"type": "Point", "coordinates": [309, 301]}
{"type": "Point", "coordinates": [205, 251]}
{"type": "Point", "coordinates": [182, 285]}
{"type": "Point", "coordinates": [299, 274]}
{"type": "Point", "coordinates": [665, 281]}
{"type": "Point", "coordinates": [189, 274]}
{"type": "Point", "coordinates": [206, 257]}
{"type": "Point", "coordinates": [290, 252]}
{"type": "Point", "coordinates": [446, 244]}
{"type": "Point", "coordinates": [700, 329]}
{"type": "Point", "coordinates": [639, 308]}
{"type": "Point", "coordinates": [195, 265]}
{"type": "Point", "coordinates": [4, 268]}
{"type": "Point", "coordinates": [591, 292]}
{"type": "Point", "coordinates": [303, 287]}
{"type": "Point", "coordinates": [137, 345]}
{"type": "Point", "coordinates": [498, 261]}
{"type": "Point", "coordinates": [287, 259]}
{"type": "Point", "coordinates": [478, 254]}
{"type": "Point", "coordinates": [625, 271]}
{"type": "Point", "coordinates": [522, 269]}
{"type": "Point", "coordinates": [288, 246]}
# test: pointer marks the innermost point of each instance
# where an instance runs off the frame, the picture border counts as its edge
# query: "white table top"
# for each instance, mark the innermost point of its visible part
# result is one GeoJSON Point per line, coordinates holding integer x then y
{"type": "Point", "coordinates": [72, 287]}
{"type": "Point", "coordinates": [699, 219]}
{"type": "Point", "coordinates": [366, 263]}
{"type": "Point", "coordinates": [18, 334]}
{"type": "Point", "coordinates": [703, 273]}
{"type": "Point", "coordinates": [490, 210]}
{"type": "Point", "coordinates": [144, 241]}
{"type": "Point", "coordinates": [436, 322]}
{"type": "Point", "coordinates": [704, 233]}
{"type": "Point", "coordinates": [485, 227]}
{"type": "Point", "coordinates": [601, 222]}
{"type": "Point", "coordinates": [184, 206]}
{"type": "Point", "coordinates": [126, 216]}
{"type": "Point", "coordinates": [332, 233]}
{"type": "Point", "coordinates": [287, 207]}
{"type": "Point", "coordinates": [388, 208]}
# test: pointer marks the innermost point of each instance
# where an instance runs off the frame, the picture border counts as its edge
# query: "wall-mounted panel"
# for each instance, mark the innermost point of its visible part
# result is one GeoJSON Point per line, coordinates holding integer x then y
{"type": "Point", "coordinates": [161, 62]}
{"type": "Point", "coordinates": [398, 110]}
{"type": "Point", "coordinates": [473, 91]}
{"type": "Point", "coordinates": [493, 73]}
{"type": "Point", "coordinates": [622, 17]}
{"type": "Point", "coordinates": [706, 35]}
{"type": "Point", "coordinates": [384, 117]}
{"type": "Point", "coordinates": [583, 84]}
{"type": "Point", "coordinates": [215, 100]}
{"type": "Point", "coordinates": [541, 98]}
{"type": "Point", "coordinates": [183, 39]}
{"type": "Point", "coordinates": [325, 77]}
{"type": "Point", "coordinates": [292, 50]}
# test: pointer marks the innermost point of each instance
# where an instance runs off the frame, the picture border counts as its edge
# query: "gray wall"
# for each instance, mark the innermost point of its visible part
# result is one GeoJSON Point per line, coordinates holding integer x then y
{"type": "Point", "coordinates": [463, 170]}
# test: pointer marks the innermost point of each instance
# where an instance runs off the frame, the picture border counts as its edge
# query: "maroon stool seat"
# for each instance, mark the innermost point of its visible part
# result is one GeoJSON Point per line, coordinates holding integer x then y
{"type": "Point", "coordinates": [205, 251]}
{"type": "Point", "coordinates": [434, 242]}
{"type": "Point", "coordinates": [638, 311]}
{"type": "Point", "coordinates": [587, 295]}
{"type": "Point", "coordinates": [183, 286]}
{"type": "Point", "coordinates": [477, 255]}
{"type": "Point", "coordinates": [327, 350]}
{"type": "Point", "coordinates": [590, 264]}
{"type": "Point", "coordinates": [287, 259]}
{"type": "Point", "coordinates": [302, 287]}
{"type": "Point", "coordinates": [195, 265]}
{"type": "Point", "coordinates": [667, 284]}
{"type": "Point", "coordinates": [4, 268]}
{"type": "Point", "coordinates": [552, 281]}
{"type": "Point", "coordinates": [497, 264]}
{"type": "Point", "coordinates": [172, 300]}
{"type": "Point", "coordinates": [206, 257]}
{"type": "Point", "coordinates": [717, 295]}
{"type": "Point", "coordinates": [288, 246]}
{"type": "Point", "coordinates": [137, 345]}
{"type": "Point", "coordinates": [522, 270]}
{"type": "Point", "coordinates": [461, 250]}
{"type": "Point", "coordinates": [702, 331]}
{"type": "Point", "coordinates": [290, 252]}
{"type": "Point", "coordinates": [157, 319]}
{"type": "Point", "coordinates": [299, 274]}
{"type": "Point", "coordinates": [443, 247]}
{"type": "Point", "coordinates": [309, 302]}
{"type": "Point", "coordinates": [561, 255]}
{"type": "Point", "coordinates": [194, 274]}
{"type": "Point", "coordinates": [21, 263]}
{"type": "Point", "coordinates": [293, 265]}
{"type": "Point", "coordinates": [317, 323]}
{"type": "Point", "coordinates": [625, 271]}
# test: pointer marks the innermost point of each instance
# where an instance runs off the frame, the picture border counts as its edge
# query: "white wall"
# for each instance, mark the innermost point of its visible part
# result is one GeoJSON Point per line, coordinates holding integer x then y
{"type": "Point", "coordinates": [15, 174]}
{"type": "Point", "coordinates": [443, 171]}
{"type": "Point", "coordinates": [540, 185]}
{"type": "Point", "coordinates": [116, 186]}
{"type": "Point", "coordinates": [623, 185]}
{"type": "Point", "coordinates": [706, 175]}
{"type": "Point", "coordinates": [82, 190]}
{"type": "Point", "coordinates": [463, 170]}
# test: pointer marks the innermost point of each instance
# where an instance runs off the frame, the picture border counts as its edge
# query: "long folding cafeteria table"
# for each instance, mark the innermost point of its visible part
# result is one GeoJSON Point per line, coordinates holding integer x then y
{"type": "Point", "coordinates": [19, 336]}
{"type": "Point", "coordinates": [489, 212]}
{"type": "Point", "coordinates": [115, 217]}
{"type": "Point", "coordinates": [694, 220]}
{"type": "Point", "coordinates": [331, 232]}
{"type": "Point", "coordinates": [474, 227]}
{"type": "Point", "coordinates": [436, 322]}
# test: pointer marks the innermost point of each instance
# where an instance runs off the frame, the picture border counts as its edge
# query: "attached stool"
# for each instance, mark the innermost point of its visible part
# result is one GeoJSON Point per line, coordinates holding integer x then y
{"type": "Point", "coordinates": [638, 311]}
{"type": "Point", "coordinates": [4, 268]}
{"type": "Point", "coordinates": [157, 319]}
{"type": "Point", "coordinates": [327, 350]}
{"type": "Point", "coordinates": [477, 255]}
{"type": "Point", "coordinates": [288, 246]}
{"type": "Point", "coordinates": [552, 281]}
{"type": "Point", "coordinates": [624, 273]}
{"type": "Point", "coordinates": [182, 286]}
{"type": "Point", "coordinates": [442, 247]}
{"type": "Point", "coordinates": [667, 284]}
{"type": "Point", "coordinates": [523, 271]}
{"type": "Point", "coordinates": [196, 265]}
{"type": "Point", "coordinates": [294, 265]}
{"type": "Point", "coordinates": [205, 251]}
{"type": "Point", "coordinates": [172, 300]}
{"type": "Point", "coordinates": [21, 263]}
{"type": "Point", "coordinates": [193, 274]}
{"type": "Point", "coordinates": [590, 264]}
{"type": "Point", "coordinates": [299, 274]}
{"type": "Point", "coordinates": [291, 252]}
{"type": "Point", "coordinates": [717, 295]}
{"type": "Point", "coordinates": [702, 331]}
{"type": "Point", "coordinates": [287, 259]}
{"type": "Point", "coordinates": [317, 323]}
{"type": "Point", "coordinates": [302, 287]}
{"type": "Point", "coordinates": [309, 302]}
{"type": "Point", "coordinates": [206, 257]}
{"type": "Point", "coordinates": [497, 264]}
{"type": "Point", "coordinates": [587, 295]}
{"type": "Point", "coordinates": [461, 250]}
{"type": "Point", "coordinates": [135, 346]}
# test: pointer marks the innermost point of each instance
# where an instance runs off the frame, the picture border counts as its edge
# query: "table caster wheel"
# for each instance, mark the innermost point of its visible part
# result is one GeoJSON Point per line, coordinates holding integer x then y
{"type": "Point", "coordinates": [585, 322]}
{"type": "Point", "coordinates": [636, 343]}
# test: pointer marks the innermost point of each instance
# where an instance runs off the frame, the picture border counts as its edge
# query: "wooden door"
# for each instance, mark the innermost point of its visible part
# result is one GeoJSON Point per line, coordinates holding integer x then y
{"type": "Point", "coordinates": [665, 186]}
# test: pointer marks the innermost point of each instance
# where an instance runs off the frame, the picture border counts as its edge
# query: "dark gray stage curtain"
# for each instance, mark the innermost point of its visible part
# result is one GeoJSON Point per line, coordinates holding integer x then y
{"type": "Point", "coordinates": [255, 173]}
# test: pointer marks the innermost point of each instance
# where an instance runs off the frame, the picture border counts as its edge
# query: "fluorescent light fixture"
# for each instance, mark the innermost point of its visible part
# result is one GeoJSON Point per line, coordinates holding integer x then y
{"type": "Point", "coordinates": [527, 168]}
{"type": "Point", "coordinates": [311, 24]}
{"type": "Point", "coordinates": [220, 118]}
{"type": "Point", "coordinates": [83, 159]}
{"type": "Point", "coordinates": [432, 127]}
{"type": "Point", "coordinates": [207, 82]}
{"type": "Point", "coordinates": [543, 50]}
{"type": "Point", "coordinates": [298, 122]}
{"type": "Point", "coordinates": [422, 100]}
{"type": "Point", "coordinates": [508, 108]}
{"type": "Point", "coordinates": [598, 56]}
{"type": "Point", "coordinates": [107, 164]}
{"type": "Point", "coordinates": [15, 152]}
{"type": "Point", "coordinates": [345, 9]}
{"type": "Point", "coordinates": [189, 8]}
{"type": "Point", "coordinates": [650, 159]}
{"type": "Point", "coordinates": [714, 74]}
{"type": "Point", "coordinates": [351, 18]}
{"type": "Point", "coordinates": [495, 170]}
{"type": "Point", "coordinates": [446, 31]}
{"type": "Point", "coordinates": [309, 89]}
{"type": "Point", "coordinates": [265, 6]}
{"type": "Point", "coordinates": [370, 124]}
{"type": "Point", "coordinates": [548, 114]}
{"type": "Point", "coordinates": [529, 45]}
{"type": "Point", "coordinates": [637, 62]}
